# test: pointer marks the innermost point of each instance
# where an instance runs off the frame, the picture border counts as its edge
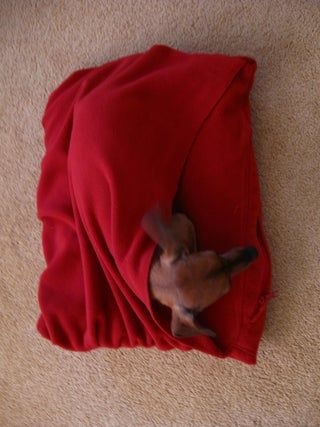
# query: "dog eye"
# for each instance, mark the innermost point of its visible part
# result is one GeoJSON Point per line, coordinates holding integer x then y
{"type": "Point", "coordinates": [193, 311]}
{"type": "Point", "coordinates": [180, 253]}
{"type": "Point", "coordinates": [213, 274]}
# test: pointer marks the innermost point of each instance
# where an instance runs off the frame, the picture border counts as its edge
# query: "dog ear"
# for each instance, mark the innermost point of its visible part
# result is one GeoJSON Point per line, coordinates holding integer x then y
{"type": "Point", "coordinates": [175, 235]}
{"type": "Point", "coordinates": [238, 259]}
{"type": "Point", "coordinates": [157, 227]}
{"type": "Point", "coordinates": [185, 325]}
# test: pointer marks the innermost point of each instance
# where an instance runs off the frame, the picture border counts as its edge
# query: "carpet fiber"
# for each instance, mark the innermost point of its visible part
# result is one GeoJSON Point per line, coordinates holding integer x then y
{"type": "Point", "coordinates": [42, 42]}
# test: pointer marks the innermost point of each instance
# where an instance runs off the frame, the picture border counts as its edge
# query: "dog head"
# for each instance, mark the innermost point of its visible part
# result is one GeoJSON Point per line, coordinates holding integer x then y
{"type": "Point", "coordinates": [186, 280]}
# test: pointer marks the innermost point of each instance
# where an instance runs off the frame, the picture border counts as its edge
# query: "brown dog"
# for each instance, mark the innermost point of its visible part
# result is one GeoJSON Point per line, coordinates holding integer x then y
{"type": "Point", "coordinates": [185, 280]}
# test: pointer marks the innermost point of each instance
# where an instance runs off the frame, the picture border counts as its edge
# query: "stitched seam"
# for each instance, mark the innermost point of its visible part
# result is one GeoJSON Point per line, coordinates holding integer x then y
{"type": "Point", "coordinates": [245, 222]}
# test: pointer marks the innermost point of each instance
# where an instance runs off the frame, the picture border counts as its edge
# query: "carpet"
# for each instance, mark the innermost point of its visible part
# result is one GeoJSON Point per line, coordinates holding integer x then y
{"type": "Point", "coordinates": [41, 43]}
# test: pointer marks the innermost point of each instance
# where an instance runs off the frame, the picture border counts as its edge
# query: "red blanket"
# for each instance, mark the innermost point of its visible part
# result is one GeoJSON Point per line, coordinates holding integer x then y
{"type": "Point", "coordinates": [157, 127]}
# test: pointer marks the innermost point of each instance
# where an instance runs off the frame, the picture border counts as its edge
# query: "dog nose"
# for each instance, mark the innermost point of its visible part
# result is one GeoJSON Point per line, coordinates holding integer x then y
{"type": "Point", "coordinates": [249, 254]}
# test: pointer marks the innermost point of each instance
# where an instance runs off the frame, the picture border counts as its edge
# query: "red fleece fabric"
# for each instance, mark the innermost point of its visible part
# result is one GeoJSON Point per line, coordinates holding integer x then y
{"type": "Point", "coordinates": [164, 127]}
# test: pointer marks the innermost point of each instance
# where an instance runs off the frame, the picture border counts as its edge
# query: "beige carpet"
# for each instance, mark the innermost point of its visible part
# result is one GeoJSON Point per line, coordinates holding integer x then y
{"type": "Point", "coordinates": [41, 43]}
